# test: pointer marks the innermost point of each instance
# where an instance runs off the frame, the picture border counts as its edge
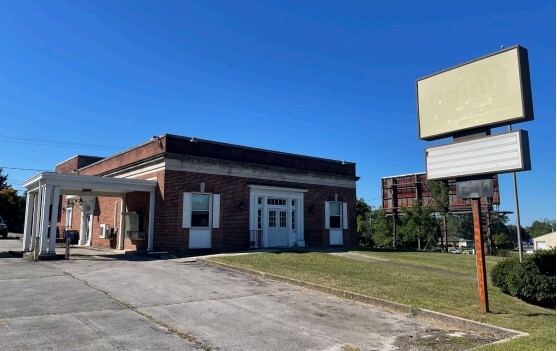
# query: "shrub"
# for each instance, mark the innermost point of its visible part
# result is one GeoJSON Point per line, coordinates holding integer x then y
{"type": "Point", "coordinates": [532, 280]}
{"type": "Point", "coordinates": [499, 273]}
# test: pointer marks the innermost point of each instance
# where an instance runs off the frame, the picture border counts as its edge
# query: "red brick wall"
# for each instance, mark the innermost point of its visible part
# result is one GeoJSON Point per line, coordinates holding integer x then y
{"type": "Point", "coordinates": [104, 214]}
{"type": "Point", "coordinates": [76, 163]}
{"type": "Point", "coordinates": [234, 223]}
{"type": "Point", "coordinates": [129, 157]}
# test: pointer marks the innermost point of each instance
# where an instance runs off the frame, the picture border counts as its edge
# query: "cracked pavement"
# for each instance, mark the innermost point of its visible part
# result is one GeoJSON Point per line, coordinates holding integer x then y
{"type": "Point", "coordinates": [144, 304]}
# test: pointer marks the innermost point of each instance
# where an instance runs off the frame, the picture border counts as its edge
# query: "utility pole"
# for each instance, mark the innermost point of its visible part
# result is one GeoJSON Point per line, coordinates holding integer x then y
{"type": "Point", "coordinates": [517, 208]}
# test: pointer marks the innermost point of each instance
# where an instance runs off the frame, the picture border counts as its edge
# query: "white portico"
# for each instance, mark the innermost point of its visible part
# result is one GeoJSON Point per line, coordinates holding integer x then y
{"type": "Point", "coordinates": [276, 213]}
{"type": "Point", "coordinates": [43, 202]}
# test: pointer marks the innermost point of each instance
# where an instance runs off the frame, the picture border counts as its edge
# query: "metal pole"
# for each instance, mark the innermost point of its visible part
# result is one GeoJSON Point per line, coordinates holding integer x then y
{"type": "Point", "coordinates": [517, 209]}
{"type": "Point", "coordinates": [480, 256]}
{"type": "Point", "coordinates": [67, 253]}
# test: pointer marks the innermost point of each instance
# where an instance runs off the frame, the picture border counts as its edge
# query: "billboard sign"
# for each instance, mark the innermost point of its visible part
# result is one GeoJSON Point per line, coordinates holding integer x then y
{"type": "Point", "coordinates": [501, 153]}
{"type": "Point", "coordinates": [491, 91]}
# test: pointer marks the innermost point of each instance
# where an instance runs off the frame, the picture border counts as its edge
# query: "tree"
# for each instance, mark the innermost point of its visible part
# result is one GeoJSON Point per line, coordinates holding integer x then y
{"type": "Point", "coordinates": [363, 218]}
{"type": "Point", "coordinates": [4, 180]}
{"type": "Point", "coordinates": [12, 206]}
{"type": "Point", "coordinates": [461, 225]}
{"type": "Point", "coordinates": [541, 227]}
{"type": "Point", "coordinates": [503, 241]}
{"type": "Point", "coordinates": [439, 191]}
{"type": "Point", "coordinates": [494, 223]}
{"type": "Point", "coordinates": [417, 223]}
{"type": "Point", "coordinates": [381, 229]}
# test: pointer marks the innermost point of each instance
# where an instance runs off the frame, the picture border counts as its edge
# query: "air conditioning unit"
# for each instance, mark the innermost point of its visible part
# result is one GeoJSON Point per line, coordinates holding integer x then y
{"type": "Point", "coordinates": [104, 232]}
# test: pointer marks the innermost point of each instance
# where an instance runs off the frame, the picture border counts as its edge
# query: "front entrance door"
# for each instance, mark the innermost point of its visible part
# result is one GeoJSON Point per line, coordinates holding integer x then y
{"type": "Point", "coordinates": [277, 230]}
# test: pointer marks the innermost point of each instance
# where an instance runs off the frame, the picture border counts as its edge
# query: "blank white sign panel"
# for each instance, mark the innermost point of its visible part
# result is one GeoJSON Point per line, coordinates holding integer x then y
{"type": "Point", "coordinates": [501, 153]}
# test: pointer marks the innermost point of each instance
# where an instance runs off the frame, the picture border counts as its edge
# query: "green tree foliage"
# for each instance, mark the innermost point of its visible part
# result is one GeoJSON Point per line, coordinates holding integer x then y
{"type": "Point", "coordinates": [461, 225]}
{"type": "Point", "coordinates": [3, 180]}
{"type": "Point", "coordinates": [382, 229]}
{"type": "Point", "coordinates": [541, 227]}
{"type": "Point", "coordinates": [511, 229]}
{"type": "Point", "coordinates": [439, 191]}
{"type": "Point", "coordinates": [503, 241]}
{"type": "Point", "coordinates": [417, 225]}
{"type": "Point", "coordinates": [12, 206]}
{"type": "Point", "coordinates": [363, 228]}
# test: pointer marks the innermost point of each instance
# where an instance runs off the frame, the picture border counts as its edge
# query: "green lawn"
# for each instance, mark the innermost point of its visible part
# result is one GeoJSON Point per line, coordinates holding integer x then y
{"type": "Point", "coordinates": [462, 263]}
{"type": "Point", "coordinates": [430, 290]}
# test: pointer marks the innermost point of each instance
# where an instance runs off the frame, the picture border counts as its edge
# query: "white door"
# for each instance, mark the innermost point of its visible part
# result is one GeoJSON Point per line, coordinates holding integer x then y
{"type": "Point", "coordinates": [335, 223]}
{"type": "Point", "coordinates": [200, 221]}
{"type": "Point", "coordinates": [277, 229]}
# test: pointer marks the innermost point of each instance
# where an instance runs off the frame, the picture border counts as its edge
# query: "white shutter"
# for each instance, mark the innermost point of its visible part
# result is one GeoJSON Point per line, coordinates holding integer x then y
{"type": "Point", "coordinates": [216, 210]}
{"type": "Point", "coordinates": [344, 215]}
{"type": "Point", "coordinates": [327, 215]}
{"type": "Point", "coordinates": [186, 211]}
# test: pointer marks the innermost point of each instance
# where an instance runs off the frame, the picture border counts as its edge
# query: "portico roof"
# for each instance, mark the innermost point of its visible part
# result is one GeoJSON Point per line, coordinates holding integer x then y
{"type": "Point", "coordinates": [75, 184]}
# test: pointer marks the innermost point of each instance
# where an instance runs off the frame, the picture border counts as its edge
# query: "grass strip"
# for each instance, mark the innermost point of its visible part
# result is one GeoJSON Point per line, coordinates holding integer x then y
{"type": "Point", "coordinates": [415, 287]}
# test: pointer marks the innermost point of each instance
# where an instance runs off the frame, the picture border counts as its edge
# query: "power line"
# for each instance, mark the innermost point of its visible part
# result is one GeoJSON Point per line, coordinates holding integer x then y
{"type": "Point", "coordinates": [26, 169]}
{"type": "Point", "coordinates": [57, 143]}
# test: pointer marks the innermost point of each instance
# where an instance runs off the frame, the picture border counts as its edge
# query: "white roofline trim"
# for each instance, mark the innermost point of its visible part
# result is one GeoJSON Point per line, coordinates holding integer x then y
{"type": "Point", "coordinates": [276, 188]}
{"type": "Point", "coordinates": [90, 182]}
{"type": "Point", "coordinates": [403, 175]}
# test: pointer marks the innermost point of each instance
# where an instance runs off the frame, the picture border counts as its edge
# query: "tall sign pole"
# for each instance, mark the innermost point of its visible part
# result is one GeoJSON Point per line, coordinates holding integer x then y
{"type": "Point", "coordinates": [480, 255]}
{"type": "Point", "coordinates": [465, 102]}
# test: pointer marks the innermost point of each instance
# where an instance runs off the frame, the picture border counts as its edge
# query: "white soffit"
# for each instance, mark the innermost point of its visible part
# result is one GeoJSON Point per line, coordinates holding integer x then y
{"type": "Point", "coordinates": [501, 153]}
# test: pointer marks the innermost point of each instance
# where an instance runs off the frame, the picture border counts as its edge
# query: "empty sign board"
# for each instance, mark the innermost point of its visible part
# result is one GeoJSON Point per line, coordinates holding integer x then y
{"type": "Point", "coordinates": [491, 91]}
{"type": "Point", "coordinates": [502, 153]}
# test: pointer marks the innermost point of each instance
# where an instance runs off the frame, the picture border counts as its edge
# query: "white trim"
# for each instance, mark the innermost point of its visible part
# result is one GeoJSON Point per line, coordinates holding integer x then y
{"type": "Point", "coordinates": [216, 211]}
{"type": "Point", "coordinates": [139, 170]}
{"type": "Point", "coordinates": [276, 188]}
{"type": "Point", "coordinates": [151, 219]}
{"type": "Point", "coordinates": [403, 175]}
{"type": "Point", "coordinates": [186, 210]}
{"type": "Point", "coordinates": [74, 181]}
{"type": "Point", "coordinates": [327, 215]}
{"type": "Point", "coordinates": [344, 215]}
{"type": "Point", "coordinates": [290, 194]}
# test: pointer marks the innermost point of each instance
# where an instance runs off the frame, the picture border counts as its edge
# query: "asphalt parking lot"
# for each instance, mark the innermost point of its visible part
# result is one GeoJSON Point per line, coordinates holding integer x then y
{"type": "Point", "coordinates": [136, 303]}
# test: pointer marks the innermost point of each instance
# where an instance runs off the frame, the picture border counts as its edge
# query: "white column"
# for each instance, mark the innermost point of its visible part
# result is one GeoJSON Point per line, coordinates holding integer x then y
{"type": "Point", "coordinates": [28, 229]}
{"type": "Point", "coordinates": [151, 220]}
{"type": "Point", "coordinates": [82, 227]}
{"type": "Point", "coordinates": [36, 217]}
{"type": "Point", "coordinates": [45, 207]}
{"type": "Point", "coordinates": [122, 230]}
{"type": "Point", "coordinates": [54, 219]}
{"type": "Point", "coordinates": [90, 236]}
{"type": "Point", "coordinates": [300, 219]}
{"type": "Point", "coordinates": [264, 223]}
{"type": "Point", "coordinates": [289, 222]}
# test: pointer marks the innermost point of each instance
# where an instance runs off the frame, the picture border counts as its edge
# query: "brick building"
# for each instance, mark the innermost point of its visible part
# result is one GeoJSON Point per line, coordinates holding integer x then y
{"type": "Point", "coordinates": [178, 193]}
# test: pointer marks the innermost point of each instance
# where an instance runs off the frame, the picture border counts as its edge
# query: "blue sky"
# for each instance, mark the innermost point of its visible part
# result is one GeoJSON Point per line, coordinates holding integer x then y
{"type": "Point", "coordinates": [333, 79]}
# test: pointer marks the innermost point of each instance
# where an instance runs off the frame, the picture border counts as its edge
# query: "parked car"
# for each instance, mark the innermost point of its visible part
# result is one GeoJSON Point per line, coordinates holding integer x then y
{"type": "Point", "coordinates": [3, 228]}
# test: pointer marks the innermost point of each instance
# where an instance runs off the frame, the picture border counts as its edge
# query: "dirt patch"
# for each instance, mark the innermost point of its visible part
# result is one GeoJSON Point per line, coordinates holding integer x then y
{"type": "Point", "coordinates": [442, 340]}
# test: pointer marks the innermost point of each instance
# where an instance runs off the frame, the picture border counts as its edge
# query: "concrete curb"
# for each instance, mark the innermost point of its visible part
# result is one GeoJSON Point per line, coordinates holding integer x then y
{"type": "Point", "coordinates": [432, 316]}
